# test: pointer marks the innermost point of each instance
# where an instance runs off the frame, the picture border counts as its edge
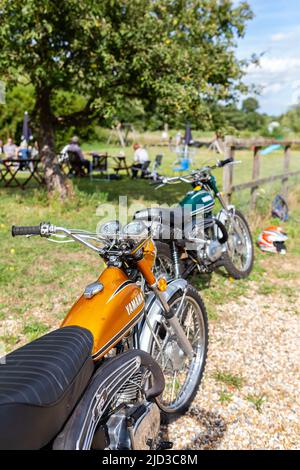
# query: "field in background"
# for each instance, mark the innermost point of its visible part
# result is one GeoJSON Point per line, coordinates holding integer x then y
{"type": "Point", "coordinates": [270, 165]}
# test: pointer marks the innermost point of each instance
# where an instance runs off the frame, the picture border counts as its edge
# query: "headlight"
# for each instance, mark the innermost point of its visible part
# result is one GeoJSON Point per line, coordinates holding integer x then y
{"type": "Point", "coordinates": [136, 230]}
{"type": "Point", "coordinates": [110, 229]}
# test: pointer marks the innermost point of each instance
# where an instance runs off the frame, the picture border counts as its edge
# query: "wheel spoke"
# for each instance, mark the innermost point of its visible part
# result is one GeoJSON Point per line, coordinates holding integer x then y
{"type": "Point", "coordinates": [179, 370]}
{"type": "Point", "coordinates": [173, 385]}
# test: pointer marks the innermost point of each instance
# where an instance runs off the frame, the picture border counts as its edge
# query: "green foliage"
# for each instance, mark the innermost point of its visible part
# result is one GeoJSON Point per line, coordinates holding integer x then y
{"type": "Point", "coordinates": [9, 341]}
{"type": "Point", "coordinates": [231, 120]}
{"type": "Point", "coordinates": [19, 99]}
{"type": "Point", "coordinates": [257, 401]}
{"type": "Point", "coordinates": [174, 56]}
{"type": "Point", "coordinates": [267, 289]}
{"type": "Point", "coordinates": [34, 329]}
{"type": "Point", "coordinates": [250, 105]}
{"type": "Point", "coordinates": [229, 379]}
{"type": "Point", "coordinates": [225, 396]}
{"type": "Point", "coordinates": [291, 120]}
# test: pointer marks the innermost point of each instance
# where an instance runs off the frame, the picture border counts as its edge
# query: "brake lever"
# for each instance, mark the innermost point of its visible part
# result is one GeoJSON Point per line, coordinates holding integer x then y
{"type": "Point", "coordinates": [49, 239]}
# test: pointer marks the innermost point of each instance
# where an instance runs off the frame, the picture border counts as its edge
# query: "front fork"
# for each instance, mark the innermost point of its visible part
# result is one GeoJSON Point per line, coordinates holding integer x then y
{"type": "Point", "coordinates": [169, 313]}
{"type": "Point", "coordinates": [223, 202]}
{"type": "Point", "coordinates": [230, 212]}
{"type": "Point", "coordinates": [172, 319]}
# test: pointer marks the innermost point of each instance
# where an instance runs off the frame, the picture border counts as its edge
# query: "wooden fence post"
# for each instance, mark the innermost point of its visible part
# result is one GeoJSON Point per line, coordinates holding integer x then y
{"type": "Point", "coordinates": [255, 175]}
{"type": "Point", "coordinates": [228, 173]}
{"type": "Point", "coordinates": [286, 166]}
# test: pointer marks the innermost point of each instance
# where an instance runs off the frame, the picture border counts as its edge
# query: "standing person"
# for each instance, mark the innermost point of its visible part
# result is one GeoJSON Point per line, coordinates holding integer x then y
{"type": "Point", "coordinates": [10, 149]}
{"type": "Point", "coordinates": [141, 158]}
{"type": "Point", "coordinates": [178, 142]}
{"type": "Point", "coordinates": [74, 147]}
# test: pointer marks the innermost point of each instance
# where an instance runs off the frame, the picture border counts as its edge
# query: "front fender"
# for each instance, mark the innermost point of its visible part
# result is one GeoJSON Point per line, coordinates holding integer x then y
{"type": "Point", "coordinates": [154, 312]}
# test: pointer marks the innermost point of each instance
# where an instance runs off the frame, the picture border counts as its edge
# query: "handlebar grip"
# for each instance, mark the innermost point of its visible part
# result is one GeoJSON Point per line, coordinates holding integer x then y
{"type": "Point", "coordinates": [25, 230]}
{"type": "Point", "coordinates": [225, 162]}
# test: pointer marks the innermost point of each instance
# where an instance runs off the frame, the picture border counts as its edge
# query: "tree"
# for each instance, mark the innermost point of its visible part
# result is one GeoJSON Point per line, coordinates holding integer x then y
{"type": "Point", "coordinates": [291, 119]}
{"type": "Point", "coordinates": [250, 105]}
{"type": "Point", "coordinates": [19, 99]}
{"type": "Point", "coordinates": [174, 55]}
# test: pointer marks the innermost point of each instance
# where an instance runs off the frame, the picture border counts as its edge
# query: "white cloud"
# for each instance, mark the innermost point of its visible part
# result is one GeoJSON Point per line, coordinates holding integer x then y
{"type": "Point", "coordinates": [272, 88]}
{"type": "Point", "coordinates": [279, 37]}
{"type": "Point", "coordinates": [279, 81]}
{"type": "Point", "coordinates": [283, 36]}
{"type": "Point", "coordinates": [276, 65]}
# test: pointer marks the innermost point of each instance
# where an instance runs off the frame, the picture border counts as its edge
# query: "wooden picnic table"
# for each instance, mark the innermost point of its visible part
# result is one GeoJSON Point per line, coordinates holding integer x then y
{"type": "Point", "coordinates": [12, 169]}
{"type": "Point", "coordinates": [101, 160]}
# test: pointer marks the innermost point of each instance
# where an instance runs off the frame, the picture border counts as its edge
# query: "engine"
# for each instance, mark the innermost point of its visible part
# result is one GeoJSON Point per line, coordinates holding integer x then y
{"type": "Point", "coordinates": [135, 425]}
{"type": "Point", "coordinates": [211, 240]}
{"type": "Point", "coordinates": [214, 250]}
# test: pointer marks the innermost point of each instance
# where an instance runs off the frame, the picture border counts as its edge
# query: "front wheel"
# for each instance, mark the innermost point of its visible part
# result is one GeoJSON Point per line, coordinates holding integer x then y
{"type": "Point", "coordinates": [164, 264]}
{"type": "Point", "coordinates": [182, 374]}
{"type": "Point", "coordinates": [239, 257]}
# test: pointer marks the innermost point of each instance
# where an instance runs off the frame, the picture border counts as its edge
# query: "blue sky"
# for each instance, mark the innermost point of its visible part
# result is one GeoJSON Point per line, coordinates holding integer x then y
{"type": "Point", "coordinates": [275, 30]}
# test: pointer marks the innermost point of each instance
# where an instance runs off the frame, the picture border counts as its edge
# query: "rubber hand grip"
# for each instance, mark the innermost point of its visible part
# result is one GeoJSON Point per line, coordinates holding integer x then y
{"type": "Point", "coordinates": [25, 230]}
{"type": "Point", "coordinates": [225, 162]}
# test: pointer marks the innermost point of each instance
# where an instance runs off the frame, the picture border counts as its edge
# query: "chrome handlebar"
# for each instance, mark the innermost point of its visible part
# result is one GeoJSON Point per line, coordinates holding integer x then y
{"type": "Point", "coordinates": [47, 230]}
{"type": "Point", "coordinates": [201, 173]}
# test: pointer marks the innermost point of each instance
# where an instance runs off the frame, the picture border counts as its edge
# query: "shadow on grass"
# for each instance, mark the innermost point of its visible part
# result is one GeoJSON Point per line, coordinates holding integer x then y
{"type": "Point", "coordinates": [133, 189]}
{"type": "Point", "coordinates": [204, 280]}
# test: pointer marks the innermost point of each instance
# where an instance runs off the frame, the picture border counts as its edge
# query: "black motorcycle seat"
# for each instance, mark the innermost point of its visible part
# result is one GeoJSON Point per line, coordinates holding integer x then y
{"type": "Point", "coordinates": [174, 216]}
{"type": "Point", "coordinates": [40, 383]}
{"type": "Point", "coordinates": [175, 222]}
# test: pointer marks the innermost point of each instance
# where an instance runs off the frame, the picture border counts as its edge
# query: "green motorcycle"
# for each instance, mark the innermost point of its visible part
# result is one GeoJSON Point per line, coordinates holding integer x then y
{"type": "Point", "coordinates": [190, 237]}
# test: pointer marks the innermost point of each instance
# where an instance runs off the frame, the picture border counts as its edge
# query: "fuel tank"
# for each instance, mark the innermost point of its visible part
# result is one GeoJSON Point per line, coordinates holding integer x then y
{"type": "Point", "coordinates": [110, 313]}
{"type": "Point", "coordinates": [199, 200]}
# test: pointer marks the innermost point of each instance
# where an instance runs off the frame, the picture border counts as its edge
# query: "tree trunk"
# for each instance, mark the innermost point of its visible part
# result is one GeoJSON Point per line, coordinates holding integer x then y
{"type": "Point", "coordinates": [56, 181]}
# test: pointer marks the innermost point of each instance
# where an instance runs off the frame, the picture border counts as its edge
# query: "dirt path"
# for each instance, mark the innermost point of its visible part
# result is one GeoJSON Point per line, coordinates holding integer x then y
{"type": "Point", "coordinates": [249, 397]}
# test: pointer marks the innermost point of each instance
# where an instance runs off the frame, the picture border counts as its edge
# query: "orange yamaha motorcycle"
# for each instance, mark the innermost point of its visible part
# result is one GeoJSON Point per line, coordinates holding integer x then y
{"type": "Point", "coordinates": [131, 350]}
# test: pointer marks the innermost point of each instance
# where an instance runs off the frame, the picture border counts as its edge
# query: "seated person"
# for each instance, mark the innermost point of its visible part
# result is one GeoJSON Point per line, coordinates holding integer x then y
{"type": "Point", "coordinates": [34, 150]}
{"type": "Point", "coordinates": [141, 161]}
{"type": "Point", "coordinates": [10, 149]}
{"type": "Point", "coordinates": [74, 147]}
{"type": "Point", "coordinates": [23, 153]}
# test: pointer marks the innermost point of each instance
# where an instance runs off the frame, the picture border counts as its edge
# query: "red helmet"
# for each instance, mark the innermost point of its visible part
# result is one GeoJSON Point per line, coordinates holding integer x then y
{"type": "Point", "coordinates": [272, 240]}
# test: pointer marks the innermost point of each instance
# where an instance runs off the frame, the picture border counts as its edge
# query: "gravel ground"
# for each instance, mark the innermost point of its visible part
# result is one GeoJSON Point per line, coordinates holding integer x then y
{"type": "Point", "coordinates": [258, 340]}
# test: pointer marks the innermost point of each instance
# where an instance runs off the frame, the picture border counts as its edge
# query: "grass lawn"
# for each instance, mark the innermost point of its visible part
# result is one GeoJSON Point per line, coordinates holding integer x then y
{"type": "Point", "coordinates": [270, 164]}
{"type": "Point", "coordinates": [39, 281]}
